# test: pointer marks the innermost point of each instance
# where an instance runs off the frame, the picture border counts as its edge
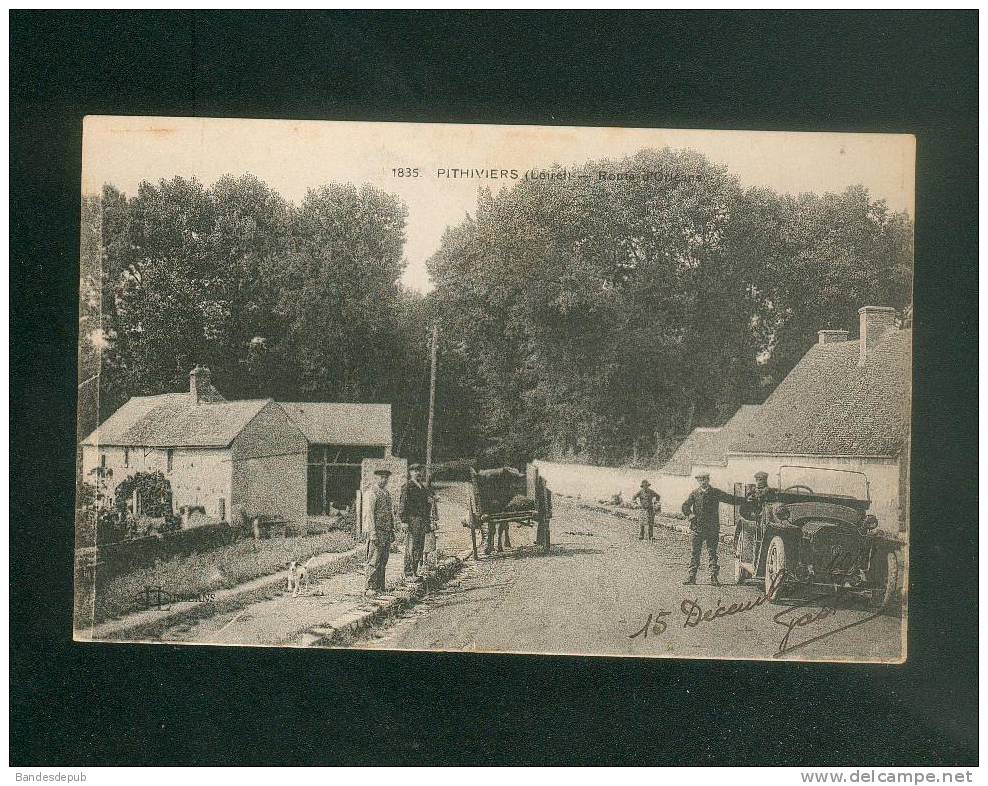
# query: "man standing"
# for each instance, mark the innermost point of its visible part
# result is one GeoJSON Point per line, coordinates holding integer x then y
{"type": "Point", "coordinates": [702, 508]}
{"type": "Point", "coordinates": [415, 509]}
{"type": "Point", "coordinates": [380, 524]}
{"type": "Point", "coordinates": [755, 498]}
{"type": "Point", "coordinates": [648, 501]}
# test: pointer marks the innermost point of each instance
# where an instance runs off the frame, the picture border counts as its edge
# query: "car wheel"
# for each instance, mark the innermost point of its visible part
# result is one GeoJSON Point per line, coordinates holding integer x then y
{"type": "Point", "coordinates": [775, 567]}
{"type": "Point", "coordinates": [886, 583]}
{"type": "Point", "coordinates": [740, 574]}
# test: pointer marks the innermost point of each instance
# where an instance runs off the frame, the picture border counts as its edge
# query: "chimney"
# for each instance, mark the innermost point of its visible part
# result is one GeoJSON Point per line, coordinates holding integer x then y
{"type": "Point", "coordinates": [832, 336]}
{"type": "Point", "coordinates": [199, 384]}
{"type": "Point", "coordinates": [876, 321]}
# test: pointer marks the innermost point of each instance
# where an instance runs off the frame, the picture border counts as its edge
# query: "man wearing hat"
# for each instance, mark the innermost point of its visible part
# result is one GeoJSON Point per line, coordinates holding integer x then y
{"type": "Point", "coordinates": [648, 501]}
{"type": "Point", "coordinates": [416, 509]}
{"type": "Point", "coordinates": [702, 508]}
{"type": "Point", "coordinates": [380, 524]}
{"type": "Point", "coordinates": [756, 496]}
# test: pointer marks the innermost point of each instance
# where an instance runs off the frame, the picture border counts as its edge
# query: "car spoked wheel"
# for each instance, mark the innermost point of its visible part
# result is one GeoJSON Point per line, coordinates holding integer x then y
{"type": "Point", "coordinates": [775, 567]}
{"type": "Point", "coordinates": [740, 574]}
{"type": "Point", "coordinates": [886, 583]}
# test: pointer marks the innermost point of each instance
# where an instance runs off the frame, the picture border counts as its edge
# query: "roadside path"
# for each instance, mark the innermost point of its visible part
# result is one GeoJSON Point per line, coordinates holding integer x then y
{"type": "Point", "coordinates": [280, 619]}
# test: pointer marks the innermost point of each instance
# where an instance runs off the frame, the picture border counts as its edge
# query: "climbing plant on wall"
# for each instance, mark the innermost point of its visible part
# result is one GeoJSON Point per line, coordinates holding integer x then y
{"type": "Point", "coordinates": [153, 489]}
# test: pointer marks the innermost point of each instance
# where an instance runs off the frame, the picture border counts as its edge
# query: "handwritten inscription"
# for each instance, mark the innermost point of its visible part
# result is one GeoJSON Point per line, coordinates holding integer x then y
{"type": "Point", "coordinates": [695, 615]}
{"type": "Point", "coordinates": [806, 616]}
{"type": "Point", "coordinates": [654, 625]}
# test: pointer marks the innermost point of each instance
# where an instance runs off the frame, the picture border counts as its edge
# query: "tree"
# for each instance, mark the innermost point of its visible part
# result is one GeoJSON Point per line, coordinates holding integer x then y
{"type": "Point", "coordinates": [601, 315]}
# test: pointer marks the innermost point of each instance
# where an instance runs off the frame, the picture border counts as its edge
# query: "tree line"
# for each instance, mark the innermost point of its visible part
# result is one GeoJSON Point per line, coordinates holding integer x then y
{"type": "Point", "coordinates": [292, 302]}
{"type": "Point", "coordinates": [600, 320]}
{"type": "Point", "coordinates": [583, 318]}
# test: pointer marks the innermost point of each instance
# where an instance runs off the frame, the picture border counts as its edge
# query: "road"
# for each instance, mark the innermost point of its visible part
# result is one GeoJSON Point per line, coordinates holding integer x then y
{"type": "Point", "coordinates": [602, 591]}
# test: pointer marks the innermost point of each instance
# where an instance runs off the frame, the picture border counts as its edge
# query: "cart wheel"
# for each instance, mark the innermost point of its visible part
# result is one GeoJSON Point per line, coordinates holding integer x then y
{"type": "Point", "coordinates": [775, 566]}
{"type": "Point", "coordinates": [886, 585]}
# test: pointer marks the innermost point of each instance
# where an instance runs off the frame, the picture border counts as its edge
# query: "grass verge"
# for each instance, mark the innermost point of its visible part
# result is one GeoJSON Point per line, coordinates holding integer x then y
{"type": "Point", "coordinates": [185, 578]}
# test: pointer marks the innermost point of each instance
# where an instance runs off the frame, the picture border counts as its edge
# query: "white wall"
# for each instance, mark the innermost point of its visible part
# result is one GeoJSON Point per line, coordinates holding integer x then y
{"type": "Point", "coordinates": [594, 483]}
{"type": "Point", "coordinates": [201, 476]}
{"type": "Point", "coordinates": [198, 476]}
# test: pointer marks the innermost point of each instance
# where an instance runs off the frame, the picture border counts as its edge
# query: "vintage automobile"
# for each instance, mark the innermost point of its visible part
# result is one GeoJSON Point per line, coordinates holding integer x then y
{"type": "Point", "coordinates": [820, 536]}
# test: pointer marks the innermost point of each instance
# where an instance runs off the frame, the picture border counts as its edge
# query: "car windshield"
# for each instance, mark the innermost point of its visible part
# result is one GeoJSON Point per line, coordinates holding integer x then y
{"type": "Point", "coordinates": [828, 482]}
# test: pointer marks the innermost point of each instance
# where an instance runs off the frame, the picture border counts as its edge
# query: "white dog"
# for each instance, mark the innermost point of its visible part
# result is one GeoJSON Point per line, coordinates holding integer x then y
{"type": "Point", "coordinates": [298, 577]}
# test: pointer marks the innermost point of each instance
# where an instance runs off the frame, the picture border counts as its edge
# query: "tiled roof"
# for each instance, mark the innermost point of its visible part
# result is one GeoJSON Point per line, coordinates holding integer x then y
{"type": "Point", "coordinates": [341, 424]}
{"type": "Point", "coordinates": [828, 405]}
{"type": "Point", "coordinates": [170, 420]}
{"type": "Point", "coordinates": [709, 445]}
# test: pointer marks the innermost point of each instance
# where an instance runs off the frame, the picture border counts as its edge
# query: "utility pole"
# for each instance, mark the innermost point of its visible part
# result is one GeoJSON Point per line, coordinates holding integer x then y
{"type": "Point", "coordinates": [432, 405]}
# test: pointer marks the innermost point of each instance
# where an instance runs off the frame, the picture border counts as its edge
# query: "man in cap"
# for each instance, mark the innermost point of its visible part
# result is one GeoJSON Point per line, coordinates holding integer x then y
{"type": "Point", "coordinates": [756, 496]}
{"type": "Point", "coordinates": [702, 508]}
{"type": "Point", "coordinates": [648, 501]}
{"type": "Point", "coordinates": [416, 509]}
{"type": "Point", "coordinates": [380, 525]}
{"type": "Point", "coordinates": [762, 490]}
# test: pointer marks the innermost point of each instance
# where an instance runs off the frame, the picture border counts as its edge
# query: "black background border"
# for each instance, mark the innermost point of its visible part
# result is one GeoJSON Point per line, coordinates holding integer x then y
{"type": "Point", "coordinates": [850, 71]}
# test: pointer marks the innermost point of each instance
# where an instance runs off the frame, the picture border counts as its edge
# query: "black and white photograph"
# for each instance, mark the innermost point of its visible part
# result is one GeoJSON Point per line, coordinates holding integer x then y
{"type": "Point", "coordinates": [495, 389]}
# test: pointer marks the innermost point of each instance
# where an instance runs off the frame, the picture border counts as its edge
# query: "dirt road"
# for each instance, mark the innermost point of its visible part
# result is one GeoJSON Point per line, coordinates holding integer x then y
{"type": "Point", "coordinates": [603, 591]}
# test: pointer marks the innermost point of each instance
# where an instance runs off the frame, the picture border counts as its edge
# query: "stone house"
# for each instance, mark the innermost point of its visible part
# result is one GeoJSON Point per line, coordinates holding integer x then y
{"type": "Point", "coordinates": [282, 460]}
{"type": "Point", "coordinates": [221, 455]}
{"type": "Point", "coordinates": [845, 405]}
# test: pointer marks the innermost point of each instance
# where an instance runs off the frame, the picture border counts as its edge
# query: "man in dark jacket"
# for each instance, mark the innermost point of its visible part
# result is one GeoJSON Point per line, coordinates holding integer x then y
{"type": "Point", "coordinates": [415, 509]}
{"type": "Point", "coordinates": [702, 508]}
{"type": "Point", "coordinates": [379, 524]}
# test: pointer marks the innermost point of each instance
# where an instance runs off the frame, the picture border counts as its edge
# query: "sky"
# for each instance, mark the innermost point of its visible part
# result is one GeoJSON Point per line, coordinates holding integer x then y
{"type": "Point", "coordinates": [294, 156]}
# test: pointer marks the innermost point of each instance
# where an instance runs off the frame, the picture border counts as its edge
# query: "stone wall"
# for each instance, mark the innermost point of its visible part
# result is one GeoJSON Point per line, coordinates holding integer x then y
{"type": "Point", "coordinates": [601, 483]}
{"type": "Point", "coordinates": [198, 476]}
{"type": "Point", "coordinates": [269, 467]}
{"type": "Point", "coordinates": [597, 483]}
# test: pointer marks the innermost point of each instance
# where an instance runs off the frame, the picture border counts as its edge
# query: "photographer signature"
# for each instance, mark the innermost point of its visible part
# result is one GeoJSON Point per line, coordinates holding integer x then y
{"type": "Point", "coordinates": [805, 615]}
{"type": "Point", "coordinates": [161, 599]}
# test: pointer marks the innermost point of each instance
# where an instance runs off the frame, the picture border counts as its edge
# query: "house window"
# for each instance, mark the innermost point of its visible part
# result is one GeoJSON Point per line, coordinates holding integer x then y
{"type": "Point", "coordinates": [126, 457]}
{"type": "Point", "coordinates": [102, 460]}
{"type": "Point", "coordinates": [221, 506]}
{"type": "Point", "coordinates": [169, 458]}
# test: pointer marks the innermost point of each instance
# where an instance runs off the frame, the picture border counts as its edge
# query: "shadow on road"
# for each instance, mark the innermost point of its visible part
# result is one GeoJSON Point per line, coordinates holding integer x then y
{"type": "Point", "coordinates": [534, 552]}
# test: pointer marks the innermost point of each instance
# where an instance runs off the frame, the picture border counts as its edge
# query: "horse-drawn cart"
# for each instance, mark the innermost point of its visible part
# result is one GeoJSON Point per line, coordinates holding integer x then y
{"type": "Point", "coordinates": [505, 496]}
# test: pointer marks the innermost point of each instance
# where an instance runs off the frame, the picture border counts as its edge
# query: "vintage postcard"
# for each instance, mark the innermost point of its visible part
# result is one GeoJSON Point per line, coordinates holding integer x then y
{"type": "Point", "coordinates": [514, 389]}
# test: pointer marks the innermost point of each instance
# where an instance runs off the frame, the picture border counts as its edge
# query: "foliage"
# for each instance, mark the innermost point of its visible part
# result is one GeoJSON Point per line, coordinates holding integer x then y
{"type": "Point", "coordinates": [588, 317]}
{"type": "Point", "coordinates": [282, 301]}
{"type": "Point", "coordinates": [153, 489]}
{"type": "Point", "coordinates": [96, 522]}
{"type": "Point", "coordinates": [599, 319]}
